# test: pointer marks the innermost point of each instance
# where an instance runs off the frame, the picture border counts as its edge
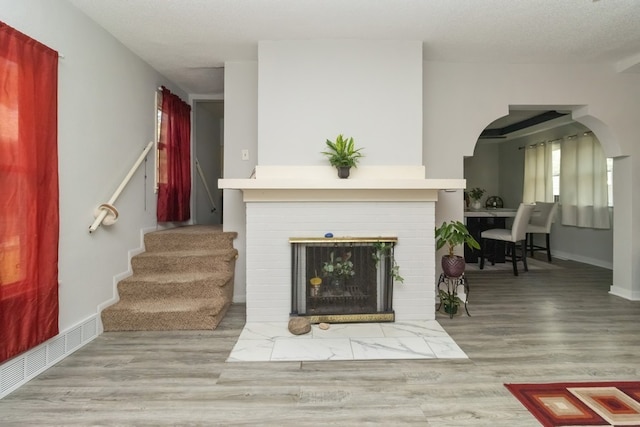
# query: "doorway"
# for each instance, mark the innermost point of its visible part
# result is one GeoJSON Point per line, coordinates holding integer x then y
{"type": "Point", "coordinates": [208, 160]}
{"type": "Point", "coordinates": [498, 167]}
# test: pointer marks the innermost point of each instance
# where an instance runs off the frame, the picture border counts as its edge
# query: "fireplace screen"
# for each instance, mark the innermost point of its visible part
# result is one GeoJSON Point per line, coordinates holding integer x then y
{"type": "Point", "coordinates": [342, 279]}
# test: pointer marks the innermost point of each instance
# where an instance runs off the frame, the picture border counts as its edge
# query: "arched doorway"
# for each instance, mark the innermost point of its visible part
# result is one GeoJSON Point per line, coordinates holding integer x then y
{"type": "Point", "coordinates": [497, 165]}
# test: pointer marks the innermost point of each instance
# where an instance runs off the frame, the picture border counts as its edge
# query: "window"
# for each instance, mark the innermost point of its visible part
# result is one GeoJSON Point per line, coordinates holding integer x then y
{"type": "Point", "coordinates": [555, 168]}
{"type": "Point", "coordinates": [555, 159]}
{"type": "Point", "coordinates": [610, 180]}
{"type": "Point", "coordinates": [28, 193]}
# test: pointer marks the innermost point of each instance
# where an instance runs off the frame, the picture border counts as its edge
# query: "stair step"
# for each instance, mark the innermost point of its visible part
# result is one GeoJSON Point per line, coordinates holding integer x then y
{"type": "Point", "coordinates": [162, 315]}
{"type": "Point", "coordinates": [189, 237]}
{"type": "Point", "coordinates": [193, 284]}
{"type": "Point", "coordinates": [185, 261]}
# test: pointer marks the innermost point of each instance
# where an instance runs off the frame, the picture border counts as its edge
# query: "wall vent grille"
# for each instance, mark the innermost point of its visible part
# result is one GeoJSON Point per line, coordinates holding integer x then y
{"type": "Point", "coordinates": [56, 349]}
{"type": "Point", "coordinates": [36, 361]}
{"type": "Point", "coordinates": [29, 364]}
{"type": "Point", "coordinates": [12, 374]}
{"type": "Point", "coordinates": [74, 339]}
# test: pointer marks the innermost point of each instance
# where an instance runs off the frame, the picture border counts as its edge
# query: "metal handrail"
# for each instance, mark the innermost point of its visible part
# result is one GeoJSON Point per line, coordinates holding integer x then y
{"type": "Point", "coordinates": [206, 187]}
{"type": "Point", "coordinates": [106, 213]}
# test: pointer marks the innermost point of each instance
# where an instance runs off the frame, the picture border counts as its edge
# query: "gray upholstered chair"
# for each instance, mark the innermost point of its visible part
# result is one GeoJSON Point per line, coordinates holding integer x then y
{"type": "Point", "coordinates": [540, 222]}
{"type": "Point", "coordinates": [517, 234]}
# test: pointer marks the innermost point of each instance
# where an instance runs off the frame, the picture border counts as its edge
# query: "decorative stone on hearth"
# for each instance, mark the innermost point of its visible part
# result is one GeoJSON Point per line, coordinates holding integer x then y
{"type": "Point", "coordinates": [299, 325]}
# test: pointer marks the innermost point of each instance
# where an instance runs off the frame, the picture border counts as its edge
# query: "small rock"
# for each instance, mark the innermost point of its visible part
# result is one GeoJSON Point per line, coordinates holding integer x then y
{"type": "Point", "coordinates": [323, 326]}
{"type": "Point", "coordinates": [299, 325]}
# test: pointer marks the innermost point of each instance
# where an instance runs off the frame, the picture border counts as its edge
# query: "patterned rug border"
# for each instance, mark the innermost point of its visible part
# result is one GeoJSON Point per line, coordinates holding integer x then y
{"type": "Point", "coordinates": [586, 403]}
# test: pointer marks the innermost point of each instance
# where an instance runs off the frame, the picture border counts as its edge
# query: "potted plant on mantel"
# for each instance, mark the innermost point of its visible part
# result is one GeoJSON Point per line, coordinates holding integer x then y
{"type": "Point", "coordinates": [454, 233]}
{"type": "Point", "coordinates": [343, 155]}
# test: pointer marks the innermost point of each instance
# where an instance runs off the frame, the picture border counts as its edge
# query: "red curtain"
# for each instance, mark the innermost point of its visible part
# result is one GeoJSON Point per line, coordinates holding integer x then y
{"type": "Point", "coordinates": [174, 187]}
{"type": "Point", "coordinates": [28, 192]}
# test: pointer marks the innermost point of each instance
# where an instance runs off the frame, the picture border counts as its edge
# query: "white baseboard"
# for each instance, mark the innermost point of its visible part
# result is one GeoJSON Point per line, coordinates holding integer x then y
{"type": "Point", "coordinates": [624, 293]}
{"type": "Point", "coordinates": [26, 366]}
{"type": "Point", "coordinates": [585, 260]}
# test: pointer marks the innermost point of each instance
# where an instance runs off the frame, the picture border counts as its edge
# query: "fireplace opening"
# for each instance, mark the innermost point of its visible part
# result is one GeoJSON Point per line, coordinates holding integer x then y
{"type": "Point", "coordinates": [342, 280]}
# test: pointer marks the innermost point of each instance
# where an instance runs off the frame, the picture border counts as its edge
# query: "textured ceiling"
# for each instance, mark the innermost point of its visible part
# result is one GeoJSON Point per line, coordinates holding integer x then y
{"type": "Point", "coordinates": [189, 40]}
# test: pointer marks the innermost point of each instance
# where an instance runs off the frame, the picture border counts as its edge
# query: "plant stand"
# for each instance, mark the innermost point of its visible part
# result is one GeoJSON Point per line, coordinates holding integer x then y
{"type": "Point", "coordinates": [450, 286]}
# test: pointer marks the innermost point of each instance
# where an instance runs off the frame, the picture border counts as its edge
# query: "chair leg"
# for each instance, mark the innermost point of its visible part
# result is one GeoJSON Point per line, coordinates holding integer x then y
{"type": "Point", "coordinates": [530, 237]}
{"type": "Point", "coordinates": [514, 258]}
{"type": "Point", "coordinates": [495, 252]}
{"type": "Point", "coordinates": [548, 248]}
{"type": "Point", "coordinates": [482, 245]}
{"type": "Point", "coordinates": [524, 255]}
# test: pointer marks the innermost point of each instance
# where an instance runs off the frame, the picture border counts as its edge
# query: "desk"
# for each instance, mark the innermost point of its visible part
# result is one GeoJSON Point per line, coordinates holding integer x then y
{"type": "Point", "coordinates": [481, 220]}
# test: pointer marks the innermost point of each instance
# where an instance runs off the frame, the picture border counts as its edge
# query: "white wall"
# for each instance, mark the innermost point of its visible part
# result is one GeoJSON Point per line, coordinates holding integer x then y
{"type": "Point", "coordinates": [483, 170]}
{"type": "Point", "coordinates": [460, 100]}
{"type": "Point", "coordinates": [313, 90]}
{"type": "Point", "coordinates": [106, 117]}
{"type": "Point", "coordinates": [240, 132]}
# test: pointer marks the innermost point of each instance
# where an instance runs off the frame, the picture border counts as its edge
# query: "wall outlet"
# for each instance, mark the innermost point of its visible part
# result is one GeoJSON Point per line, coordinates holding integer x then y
{"type": "Point", "coordinates": [245, 154]}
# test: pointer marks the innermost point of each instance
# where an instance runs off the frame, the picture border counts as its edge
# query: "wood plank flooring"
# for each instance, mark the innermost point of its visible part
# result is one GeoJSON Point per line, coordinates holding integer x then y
{"type": "Point", "coordinates": [555, 325]}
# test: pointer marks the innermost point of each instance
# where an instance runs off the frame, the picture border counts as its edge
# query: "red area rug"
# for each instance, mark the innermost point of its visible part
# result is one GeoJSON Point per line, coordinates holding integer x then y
{"type": "Point", "coordinates": [581, 404]}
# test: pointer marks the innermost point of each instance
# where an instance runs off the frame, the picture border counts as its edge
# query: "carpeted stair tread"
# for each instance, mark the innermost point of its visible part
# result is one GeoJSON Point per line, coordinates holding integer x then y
{"type": "Point", "coordinates": [177, 278]}
{"type": "Point", "coordinates": [152, 305]}
{"type": "Point", "coordinates": [197, 236]}
{"type": "Point", "coordinates": [202, 285]}
{"type": "Point", "coordinates": [221, 253]}
{"type": "Point", "coordinates": [154, 315]}
{"type": "Point", "coordinates": [184, 261]}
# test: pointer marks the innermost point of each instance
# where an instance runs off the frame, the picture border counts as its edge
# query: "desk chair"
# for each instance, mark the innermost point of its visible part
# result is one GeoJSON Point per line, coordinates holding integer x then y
{"type": "Point", "coordinates": [540, 222]}
{"type": "Point", "coordinates": [517, 234]}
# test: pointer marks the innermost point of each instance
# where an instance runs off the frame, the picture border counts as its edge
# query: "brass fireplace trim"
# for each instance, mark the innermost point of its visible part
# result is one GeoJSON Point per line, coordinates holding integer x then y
{"type": "Point", "coordinates": [330, 240]}
{"type": "Point", "coordinates": [352, 318]}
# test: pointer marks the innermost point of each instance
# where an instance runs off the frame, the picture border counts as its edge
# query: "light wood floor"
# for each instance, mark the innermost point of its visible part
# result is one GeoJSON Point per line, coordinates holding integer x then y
{"type": "Point", "coordinates": [558, 325]}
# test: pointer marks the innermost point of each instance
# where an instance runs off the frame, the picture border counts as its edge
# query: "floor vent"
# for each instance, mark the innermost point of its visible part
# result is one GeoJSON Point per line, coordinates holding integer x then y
{"type": "Point", "coordinates": [29, 364]}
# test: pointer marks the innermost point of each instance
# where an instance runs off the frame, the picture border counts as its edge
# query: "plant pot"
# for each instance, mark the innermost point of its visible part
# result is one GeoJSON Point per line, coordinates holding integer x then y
{"type": "Point", "coordinates": [452, 266]}
{"type": "Point", "coordinates": [343, 171]}
{"type": "Point", "coordinates": [476, 205]}
{"type": "Point", "coordinates": [450, 309]}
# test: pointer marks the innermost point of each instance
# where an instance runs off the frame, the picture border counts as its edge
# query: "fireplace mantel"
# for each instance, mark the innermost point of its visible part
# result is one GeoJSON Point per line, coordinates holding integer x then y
{"type": "Point", "coordinates": [320, 183]}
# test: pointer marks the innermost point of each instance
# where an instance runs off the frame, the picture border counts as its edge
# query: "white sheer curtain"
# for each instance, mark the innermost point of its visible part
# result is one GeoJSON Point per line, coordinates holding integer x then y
{"type": "Point", "coordinates": [583, 183]}
{"type": "Point", "coordinates": [538, 173]}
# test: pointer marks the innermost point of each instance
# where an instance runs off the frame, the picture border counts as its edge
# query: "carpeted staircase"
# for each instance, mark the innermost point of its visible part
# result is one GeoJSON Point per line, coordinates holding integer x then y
{"type": "Point", "coordinates": [184, 280]}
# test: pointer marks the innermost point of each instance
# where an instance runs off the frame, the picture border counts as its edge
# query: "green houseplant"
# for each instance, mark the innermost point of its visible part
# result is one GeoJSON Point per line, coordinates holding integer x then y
{"type": "Point", "coordinates": [338, 269]}
{"type": "Point", "coordinates": [452, 234]}
{"type": "Point", "coordinates": [383, 251]}
{"type": "Point", "coordinates": [342, 154]}
{"type": "Point", "coordinates": [475, 194]}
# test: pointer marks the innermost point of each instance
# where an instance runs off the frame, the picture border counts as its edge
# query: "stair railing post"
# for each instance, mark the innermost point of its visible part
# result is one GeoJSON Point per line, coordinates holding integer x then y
{"type": "Point", "coordinates": [107, 209]}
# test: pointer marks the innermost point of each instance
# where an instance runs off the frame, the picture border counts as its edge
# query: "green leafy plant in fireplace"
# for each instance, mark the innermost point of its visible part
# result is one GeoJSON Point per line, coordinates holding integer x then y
{"type": "Point", "coordinates": [385, 250]}
{"type": "Point", "coordinates": [339, 266]}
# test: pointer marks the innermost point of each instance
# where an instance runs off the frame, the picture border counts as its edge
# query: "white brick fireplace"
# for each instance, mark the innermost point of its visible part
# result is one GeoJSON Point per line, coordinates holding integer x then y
{"type": "Point", "coordinates": [307, 91]}
{"type": "Point", "coordinates": [285, 202]}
